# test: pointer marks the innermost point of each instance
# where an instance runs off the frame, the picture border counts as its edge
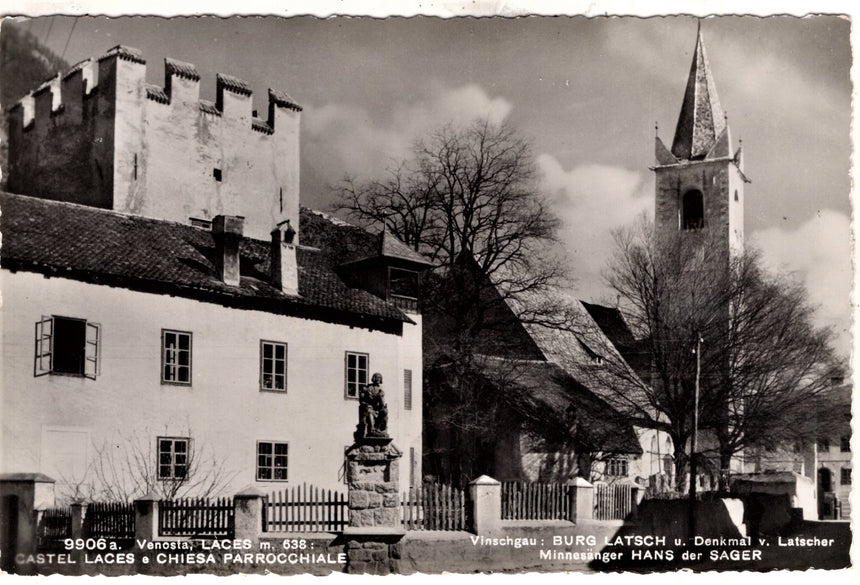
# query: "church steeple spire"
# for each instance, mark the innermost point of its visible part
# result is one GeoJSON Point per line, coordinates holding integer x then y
{"type": "Point", "coordinates": [702, 121]}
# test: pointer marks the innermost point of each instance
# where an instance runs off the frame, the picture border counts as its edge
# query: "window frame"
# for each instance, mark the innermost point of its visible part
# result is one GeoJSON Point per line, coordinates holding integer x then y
{"type": "Point", "coordinates": [274, 345]}
{"type": "Point", "coordinates": [173, 464]}
{"type": "Point", "coordinates": [164, 363]}
{"type": "Point", "coordinates": [844, 472]}
{"type": "Point", "coordinates": [845, 444]}
{"type": "Point", "coordinates": [614, 463]}
{"type": "Point", "coordinates": [346, 370]}
{"type": "Point", "coordinates": [45, 348]}
{"type": "Point", "coordinates": [272, 467]}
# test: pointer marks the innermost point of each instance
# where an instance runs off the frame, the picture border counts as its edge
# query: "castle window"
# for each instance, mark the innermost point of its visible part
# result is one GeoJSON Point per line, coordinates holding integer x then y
{"type": "Point", "coordinates": [693, 210]}
{"type": "Point", "coordinates": [272, 460]}
{"type": "Point", "coordinates": [175, 357]}
{"type": "Point", "coordinates": [356, 373]}
{"type": "Point", "coordinates": [172, 457]}
{"type": "Point", "coordinates": [217, 174]}
{"type": "Point", "coordinates": [737, 197]}
{"type": "Point", "coordinates": [845, 476]}
{"type": "Point", "coordinates": [845, 444]}
{"type": "Point", "coordinates": [67, 346]}
{"type": "Point", "coordinates": [273, 366]}
{"type": "Point", "coordinates": [135, 167]}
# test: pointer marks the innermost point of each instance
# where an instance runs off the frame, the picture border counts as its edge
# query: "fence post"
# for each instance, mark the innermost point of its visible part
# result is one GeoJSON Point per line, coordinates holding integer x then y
{"type": "Point", "coordinates": [78, 508]}
{"type": "Point", "coordinates": [486, 501]}
{"type": "Point", "coordinates": [248, 514]}
{"type": "Point", "coordinates": [23, 498]}
{"type": "Point", "coordinates": [146, 517]}
{"type": "Point", "coordinates": [582, 493]}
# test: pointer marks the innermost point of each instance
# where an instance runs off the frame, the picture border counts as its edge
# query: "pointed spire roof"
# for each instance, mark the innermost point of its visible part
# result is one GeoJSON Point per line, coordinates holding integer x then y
{"type": "Point", "coordinates": [702, 120]}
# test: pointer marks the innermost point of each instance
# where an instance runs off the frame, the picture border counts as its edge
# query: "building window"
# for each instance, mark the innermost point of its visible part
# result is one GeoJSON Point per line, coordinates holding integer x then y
{"type": "Point", "coordinates": [273, 366]}
{"type": "Point", "coordinates": [693, 210]}
{"type": "Point", "coordinates": [135, 167]}
{"type": "Point", "coordinates": [823, 445]}
{"type": "Point", "coordinates": [403, 288]}
{"type": "Point", "coordinates": [407, 389]}
{"type": "Point", "coordinates": [272, 460]}
{"type": "Point", "coordinates": [356, 372]}
{"type": "Point", "coordinates": [845, 444]}
{"type": "Point", "coordinates": [175, 357]}
{"type": "Point", "coordinates": [616, 467]}
{"type": "Point", "coordinates": [216, 173]}
{"type": "Point", "coordinates": [845, 476]}
{"type": "Point", "coordinates": [67, 346]}
{"type": "Point", "coordinates": [173, 457]}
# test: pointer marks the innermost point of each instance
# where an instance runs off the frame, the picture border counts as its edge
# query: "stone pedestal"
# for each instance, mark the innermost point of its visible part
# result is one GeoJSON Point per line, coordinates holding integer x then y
{"type": "Point", "coordinates": [374, 531]}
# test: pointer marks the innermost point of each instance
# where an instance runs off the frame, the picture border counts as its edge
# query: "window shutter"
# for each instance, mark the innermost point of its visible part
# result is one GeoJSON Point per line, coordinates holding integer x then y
{"type": "Point", "coordinates": [44, 362]}
{"type": "Point", "coordinates": [91, 364]}
{"type": "Point", "coordinates": [407, 389]}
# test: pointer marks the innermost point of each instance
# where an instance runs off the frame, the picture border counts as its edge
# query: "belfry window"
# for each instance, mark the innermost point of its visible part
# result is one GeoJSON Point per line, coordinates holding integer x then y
{"type": "Point", "coordinates": [692, 210]}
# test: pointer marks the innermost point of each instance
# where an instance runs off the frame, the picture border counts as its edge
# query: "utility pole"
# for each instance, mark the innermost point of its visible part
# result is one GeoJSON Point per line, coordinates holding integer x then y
{"type": "Point", "coordinates": [694, 439]}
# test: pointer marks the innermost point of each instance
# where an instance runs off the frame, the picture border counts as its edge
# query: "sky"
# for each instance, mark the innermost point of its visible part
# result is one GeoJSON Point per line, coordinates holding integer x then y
{"type": "Point", "coordinates": [586, 92]}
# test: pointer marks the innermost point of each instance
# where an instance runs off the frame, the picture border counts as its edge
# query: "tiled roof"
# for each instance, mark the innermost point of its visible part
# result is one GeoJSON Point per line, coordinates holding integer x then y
{"type": "Point", "coordinates": [181, 68]}
{"type": "Point", "coordinates": [261, 126]}
{"type": "Point", "coordinates": [156, 93]}
{"type": "Point", "coordinates": [126, 53]}
{"type": "Point", "coordinates": [548, 392]}
{"type": "Point", "coordinates": [105, 247]}
{"type": "Point", "coordinates": [208, 107]}
{"type": "Point", "coordinates": [391, 247]}
{"type": "Point", "coordinates": [233, 84]}
{"type": "Point", "coordinates": [611, 322]}
{"type": "Point", "coordinates": [282, 99]}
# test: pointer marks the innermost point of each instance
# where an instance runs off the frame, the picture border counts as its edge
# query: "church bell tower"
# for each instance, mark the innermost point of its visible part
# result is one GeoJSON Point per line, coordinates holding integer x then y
{"type": "Point", "coordinates": [700, 181]}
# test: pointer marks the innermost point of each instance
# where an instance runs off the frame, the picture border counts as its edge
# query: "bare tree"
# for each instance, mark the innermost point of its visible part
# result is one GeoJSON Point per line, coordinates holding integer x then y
{"type": "Point", "coordinates": [762, 360]}
{"type": "Point", "coordinates": [467, 199]}
{"type": "Point", "coordinates": [126, 468]}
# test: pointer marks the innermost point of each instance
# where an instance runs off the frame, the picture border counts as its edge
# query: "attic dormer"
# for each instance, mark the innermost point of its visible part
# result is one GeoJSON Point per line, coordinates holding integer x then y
{"type": "Point", "coordinates": [393, 273]}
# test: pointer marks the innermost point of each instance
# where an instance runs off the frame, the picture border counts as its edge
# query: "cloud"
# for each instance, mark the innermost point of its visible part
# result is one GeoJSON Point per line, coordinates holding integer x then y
{"type": "Point", "coordinates": [344, 139]}
{"type": "Point", "coordinates": [591, 201]}
{"type": "Point", "coordinates": [819, 254]}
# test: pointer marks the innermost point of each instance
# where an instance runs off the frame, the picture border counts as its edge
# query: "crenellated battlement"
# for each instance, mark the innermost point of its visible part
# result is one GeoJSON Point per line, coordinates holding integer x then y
{"type": "Point", "coordinates": [67, 91]}
{"type": "Point", "coordinates": [100, 134]}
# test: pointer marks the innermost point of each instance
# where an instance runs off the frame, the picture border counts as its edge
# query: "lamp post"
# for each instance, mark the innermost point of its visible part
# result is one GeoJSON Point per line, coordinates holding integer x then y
{"type": "Point", "coordinates": [695, 437]}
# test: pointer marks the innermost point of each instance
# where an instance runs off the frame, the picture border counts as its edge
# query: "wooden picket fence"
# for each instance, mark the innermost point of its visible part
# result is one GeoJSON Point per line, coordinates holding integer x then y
{"type": "Point", "coordinates": [612, 501]}
{"type": "Point", "coordinates": [434, 507]}
{"type": "Point", "coordinates": [305, 508]}
{"type": "Point", "coordinates": [522, 500]}
{"type": "Point", "coordinates": [55, 524]}
{"type": "Point", "coordinates": [114, 520]}
{"type": "Point", "coordinates": [196, 517]}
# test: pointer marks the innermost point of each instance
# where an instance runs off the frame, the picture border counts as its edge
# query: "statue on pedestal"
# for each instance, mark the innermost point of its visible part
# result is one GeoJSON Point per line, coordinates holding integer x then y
{"type": "Point", "coordinates": [372, 410]}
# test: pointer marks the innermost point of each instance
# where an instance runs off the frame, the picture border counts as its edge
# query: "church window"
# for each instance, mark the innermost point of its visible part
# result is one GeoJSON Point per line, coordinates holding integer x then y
{"type": "Point", "coordinates": [693, 210]}
{"type": "Point", "coordinates": [216, 173]}
{"type": "Point", "coordinates": [737, 197]}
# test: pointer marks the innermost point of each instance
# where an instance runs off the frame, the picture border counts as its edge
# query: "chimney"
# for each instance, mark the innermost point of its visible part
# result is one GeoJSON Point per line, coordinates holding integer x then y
{"type": "Point", "coordinates": [285, 269]}
{"type": "Point", "coordinates": [227, 232]}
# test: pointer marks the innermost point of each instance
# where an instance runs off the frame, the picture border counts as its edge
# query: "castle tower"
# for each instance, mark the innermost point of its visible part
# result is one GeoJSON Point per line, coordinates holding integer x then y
{"type": "Point", "coordinates": [100, 135]}
{"type": "Point", "coordinates": [700, 182]}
